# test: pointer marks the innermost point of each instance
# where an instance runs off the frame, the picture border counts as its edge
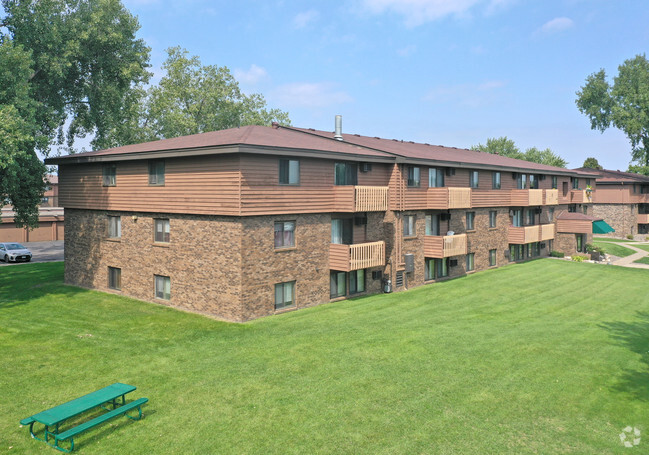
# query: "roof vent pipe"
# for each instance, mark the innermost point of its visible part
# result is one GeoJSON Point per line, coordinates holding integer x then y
{"type": "Point", "coordinates": [339, 128]}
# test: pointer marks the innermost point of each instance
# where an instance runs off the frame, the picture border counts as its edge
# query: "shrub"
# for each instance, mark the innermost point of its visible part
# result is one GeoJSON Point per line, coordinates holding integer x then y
{"type": "Point", "coordinates": [578, 258]}
{"type": "Point", "coordinates": [629, 236]}
{"type": "Point", "coordinates": [556, 254]}
{"type": "Point", "coordinates": [590, 248]}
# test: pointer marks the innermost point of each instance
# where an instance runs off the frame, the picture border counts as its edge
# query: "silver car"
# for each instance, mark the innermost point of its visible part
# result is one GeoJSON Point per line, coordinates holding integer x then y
{"type": "Point", "coordinates": [10, 251]}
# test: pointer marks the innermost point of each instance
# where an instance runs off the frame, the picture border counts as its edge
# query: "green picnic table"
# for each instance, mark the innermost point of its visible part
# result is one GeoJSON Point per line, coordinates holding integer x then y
{"type": "Point", "coordinates": [53, 418]}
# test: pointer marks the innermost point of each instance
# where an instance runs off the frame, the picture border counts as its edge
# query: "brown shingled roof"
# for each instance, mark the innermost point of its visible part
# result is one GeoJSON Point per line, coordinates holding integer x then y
{"type": "Point", "coordinates": [565, 215]}
{"type": "Point", "coordinates": [610, 176]}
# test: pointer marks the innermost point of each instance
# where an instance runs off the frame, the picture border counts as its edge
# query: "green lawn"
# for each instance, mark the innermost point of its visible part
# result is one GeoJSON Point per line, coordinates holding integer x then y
{"type": "Point", "coordinates": [611, 239]}
{"type": "Point", "coordinates": [536, 358]}
{"type": "Point", "coordinates": [644, 260]}
{"type": "Point", "coordinates": [614, 249]}
{"type": "Point", "coordinates": [642, 246]}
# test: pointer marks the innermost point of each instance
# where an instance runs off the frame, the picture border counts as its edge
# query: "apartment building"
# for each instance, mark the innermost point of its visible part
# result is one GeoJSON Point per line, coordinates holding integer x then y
{"type": "Point", "coordinates": [251, 221]}
{"type": "Point", "coordinates": [622, 198]}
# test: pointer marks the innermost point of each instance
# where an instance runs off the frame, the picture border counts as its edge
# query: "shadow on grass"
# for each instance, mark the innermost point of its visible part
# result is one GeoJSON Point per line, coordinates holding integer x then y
{"type": "Point", "coordinates": [634, 336]}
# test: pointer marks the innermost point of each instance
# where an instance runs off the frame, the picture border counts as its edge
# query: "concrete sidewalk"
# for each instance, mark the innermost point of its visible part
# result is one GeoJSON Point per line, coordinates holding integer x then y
{"type": "Point", "coordinates": [629, 261]}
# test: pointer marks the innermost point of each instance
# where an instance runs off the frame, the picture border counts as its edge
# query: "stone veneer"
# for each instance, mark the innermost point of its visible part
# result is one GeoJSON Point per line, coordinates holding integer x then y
{"type": "Point", "coordinates": [621, 217]}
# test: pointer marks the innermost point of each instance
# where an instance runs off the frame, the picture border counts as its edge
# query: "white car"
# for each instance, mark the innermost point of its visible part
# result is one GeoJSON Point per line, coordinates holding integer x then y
{"type": "Point", "coordinates": [10, 251]}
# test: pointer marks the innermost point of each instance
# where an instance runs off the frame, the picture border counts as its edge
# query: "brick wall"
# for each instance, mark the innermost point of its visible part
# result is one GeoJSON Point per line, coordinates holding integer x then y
{"type": "Point", "coordinates": [622, 217]}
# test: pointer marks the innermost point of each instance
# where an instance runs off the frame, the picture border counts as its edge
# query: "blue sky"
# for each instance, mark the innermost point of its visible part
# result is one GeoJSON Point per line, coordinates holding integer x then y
{"type": "Point", "coordinates": [449, 72]}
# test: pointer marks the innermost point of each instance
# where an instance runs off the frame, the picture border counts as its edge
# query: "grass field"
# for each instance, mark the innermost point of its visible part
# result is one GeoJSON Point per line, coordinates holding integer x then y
{"type": "Point", "coordinates": [614, 249]}
{"type": "Point", "coordinates": [644, 260]}
{"type": "Point", "coordinates": [642, 247]}
{"type": "Point", "coordinates": [611, 239]}
{"type": "Point", "coordinates": [537, 358]}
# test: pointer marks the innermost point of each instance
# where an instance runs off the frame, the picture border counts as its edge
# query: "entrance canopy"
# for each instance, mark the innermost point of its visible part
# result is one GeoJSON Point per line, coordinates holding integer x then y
{"type": "Point", "coordinates": [602, 227]}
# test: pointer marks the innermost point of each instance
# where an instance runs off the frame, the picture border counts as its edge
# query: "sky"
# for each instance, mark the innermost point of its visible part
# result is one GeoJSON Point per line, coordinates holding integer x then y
{"type": "Point", "coordinates": [447, 72]}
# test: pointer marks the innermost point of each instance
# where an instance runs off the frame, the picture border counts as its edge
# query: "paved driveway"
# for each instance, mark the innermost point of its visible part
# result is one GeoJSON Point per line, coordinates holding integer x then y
{"type": "Point", "coordinates": [43, 252]}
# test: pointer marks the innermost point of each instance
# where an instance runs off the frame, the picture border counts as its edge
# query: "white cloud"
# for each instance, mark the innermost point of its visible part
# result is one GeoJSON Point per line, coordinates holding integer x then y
{"type": "Point", "coordinates": [467, 95]}
{"type": "Point", "coordinates": [251, 76]}
{"type": "Point", "coordinates": [558, 24]}
{"type": "Point", "coordinates": [417, 12]}
{"type": "Point", "coordinates": [303, 19]}
{"type": "Point", "coordinates": [306, 94]}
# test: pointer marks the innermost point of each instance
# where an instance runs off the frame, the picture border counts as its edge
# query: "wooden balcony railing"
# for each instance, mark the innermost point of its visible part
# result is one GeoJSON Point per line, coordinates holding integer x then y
{"type": "Point", "coordinates": [643, 218]}
{"type": "Point", "coordinates": [551, 197]}
{"type": "Point", "coordinates": [529, 234]}
{"type": "Point", "coordinates": [348, 198]}
{"type": "Point", "coordinates": [443, 246]}
{"type": "Point", "coordinates": [448, 198]}
{"type": "Point", "coordinates": [355, 257]}
{"type": "Point", "coordinates": [581, 196]}
{"type": "Point", "coordinates": [526, 198]}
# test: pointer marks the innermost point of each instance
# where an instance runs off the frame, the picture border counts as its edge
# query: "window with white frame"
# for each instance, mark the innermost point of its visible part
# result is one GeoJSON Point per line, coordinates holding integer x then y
{"type": "Point", "coordinates": [162, 286]}
{"type": "Point", "coordinates": [161, 230]}
{"type": "Point", "coordinates": [284, 295]}
{"type": "Point", "coordinates": [114, 227]}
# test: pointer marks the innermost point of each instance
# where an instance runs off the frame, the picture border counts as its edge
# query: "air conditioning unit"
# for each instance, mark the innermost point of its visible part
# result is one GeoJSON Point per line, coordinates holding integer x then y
{"type": "Point", "coordinates": [507, 254]}
{"type": "Point", "coordinates": [409, 259]}
{"type": "Point", "coordinates": [542, 244]}
{"type": "Point", "coordinates": [366, 167]}
{"type": "Point", "coordinates": [450, 171]}
{"type": "Point", "coordinates": [538, 211]}
{"type": "Point", "coordinates": [360, 220]}
{"type": "Point", "coordinates": [377, 274]}
{"type": "Point", "coordinates": [444, 216]}
{"type": "Point", "coordinates": [452, 262]}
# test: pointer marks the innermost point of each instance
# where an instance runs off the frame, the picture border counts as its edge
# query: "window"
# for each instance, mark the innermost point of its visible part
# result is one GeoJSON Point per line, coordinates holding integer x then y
{"type": "Point", "coordinates": [114, 278]}
{"type": "Point", "coordinates": [337, 284]}
{"type": "Point", "coordinates": [492, 218]}
{"type": "Point", "coordinates": [495, 180]}
{"type": "Point", "coordinates": [435, 268]}
{"type": "Point", "coordinates": [162, 287]}
{"type": "Point", "coordinates": [516, 252]}
{"type": "Point", "coordinates": [551, 214]}
{"type": "Point", "coordinates": [342, 231]}
{"type": "Point", "coordinates": [521, 181]}
{"type": "Point", "coordinates": [432, 224]}
{"type": "Point", "coordinates": [114, 227]}
{"type": "Point", "coordinates": [470, 221]}
{"type": "Point", "coordinates": [414, 176]}
{"type": "Point", "coordinates": [284, 295]}
{"type": "Point", "coordinates": [161, 231]}
{"type": "Point", "coordinates": [555, 182]}
{"type": "Point", "coordinates": [572, 208]}
{"type": "Point", "coordinates": [492, 258]}
{"type": "Point", "coordinates": [575, 183]}
{"type": "Point", "coordinates": [357, 281]}
{"type": "Point", "coordinates": [517, 218]}
{"type": "Point", "coordinates": [587, 182]}
{"type": "Point", "coordinates": [409, 224]}
{"type": "Point", "coordinates": [345, 173]}
{"type": "Point", "coordinates": [529, 219]}
{"type": "Point", "coordinates": [580, 242]}
{"type": "Point", "coordinates": [157, 172]}
{"type": "Point", "coordinates": [473, 179]}
{"type": "Point", "coordinates": [289, 172]}
{"type": "Point", "coordinates": [435, 177]}
{"type": "Point", "coordinates": [109, 172]}
{"type": "Point", "coordinates": [585, 208]}
{"type": "Point", "coordinates": [470, 262]}
{"type": "Point", "coordinates": [284, 234]}
{"type": "Point", "coordinates": [534, 181]}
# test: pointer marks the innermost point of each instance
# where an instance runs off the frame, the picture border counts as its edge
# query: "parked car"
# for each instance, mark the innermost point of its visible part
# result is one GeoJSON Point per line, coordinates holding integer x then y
{"type": "Point", "coordinates": [10, 251]}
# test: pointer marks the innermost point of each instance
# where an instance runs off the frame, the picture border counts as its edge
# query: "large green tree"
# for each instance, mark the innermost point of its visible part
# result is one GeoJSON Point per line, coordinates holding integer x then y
{"type": "Point", "coordinates": [507, 147]}
{"type": "Point", "coordinates": [624, 104]}
{"type": "Point", "coordinates": [68, 68]}
{"type": "Point", "coordinates": [592, 163]}
{"type": "Point", "coordinates": [194, 98]}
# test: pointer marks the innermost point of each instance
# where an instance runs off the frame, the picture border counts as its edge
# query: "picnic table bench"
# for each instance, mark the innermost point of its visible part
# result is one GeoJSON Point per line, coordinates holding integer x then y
{"type": "Point", "coordinates": [53, 418]}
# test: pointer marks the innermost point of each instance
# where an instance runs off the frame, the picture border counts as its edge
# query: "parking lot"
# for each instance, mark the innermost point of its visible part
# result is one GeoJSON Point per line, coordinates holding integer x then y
{"type": "Point", "coordinates": [42, 252]}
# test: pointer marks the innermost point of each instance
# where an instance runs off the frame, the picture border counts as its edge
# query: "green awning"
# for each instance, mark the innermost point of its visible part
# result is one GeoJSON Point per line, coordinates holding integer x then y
{"type": "Point", "coordinates": [602, 227]}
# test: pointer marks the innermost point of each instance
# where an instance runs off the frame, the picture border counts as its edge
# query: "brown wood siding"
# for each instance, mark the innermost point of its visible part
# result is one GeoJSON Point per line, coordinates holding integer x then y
{"type": "Point", "coordinates": [614, 194]}
{"type": "Point", "coordinates": [575, 226]}
{"type": "Point", "coordinates": [490, 198]}
{"type": "Point", "coordinates": [201, 185]}
{"type": "Point", "coordinates": [339, 257]}
{"type": "Point", "coordinates": [378, 176]}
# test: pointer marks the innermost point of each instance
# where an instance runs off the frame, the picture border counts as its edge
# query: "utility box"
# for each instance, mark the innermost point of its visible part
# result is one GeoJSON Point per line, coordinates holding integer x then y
{"type": "Point", "coordinates": [409, 259]}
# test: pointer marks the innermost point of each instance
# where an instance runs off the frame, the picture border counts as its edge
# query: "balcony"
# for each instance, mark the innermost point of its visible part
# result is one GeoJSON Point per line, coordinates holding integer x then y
{"type": "Point", "coordinates": [581, 197]}
{"type": "Point", "coordinates": [349, 198]}
{"type": "Point", "coordinates": [355, 257]}
{"type": "Point", "coordinates": [443, 246]}
{"type": "Point", "coordinates": [528, 234]}
{"type": "Point", "coordinates": [551, 197]}
{"type": "Point", "coordinates": [526, 198]}
{"type": "Point", "coordinates": [643, 218]}
{"type": "Point", "coordinates": [448, 198]}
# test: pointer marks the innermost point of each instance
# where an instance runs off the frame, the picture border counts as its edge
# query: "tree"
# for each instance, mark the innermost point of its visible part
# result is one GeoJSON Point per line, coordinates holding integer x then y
{"type": "Point", "coordinates": [592, 163]}
{"type": "Point", "coordinates": [192, 98]}
{"type": "Point", "coordinates": [624, 105]}
{"type": "Point", "coordinates": [506, 147]}
{"type": "Point", "coordinates": [637, 169]}
{"type": "Point", "coordinates": [68, 68]}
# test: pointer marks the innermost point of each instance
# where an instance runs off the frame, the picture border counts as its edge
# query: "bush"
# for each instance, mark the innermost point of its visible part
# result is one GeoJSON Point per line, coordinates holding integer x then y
{"type": "Point", "coordinates": [590, 248]}
{"type": "Point", "coordinates": [556, 254]}
{"type": "Point", "coordinates": [629, 236]}
{"type": "Point", "coordinates": [578, 258]}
